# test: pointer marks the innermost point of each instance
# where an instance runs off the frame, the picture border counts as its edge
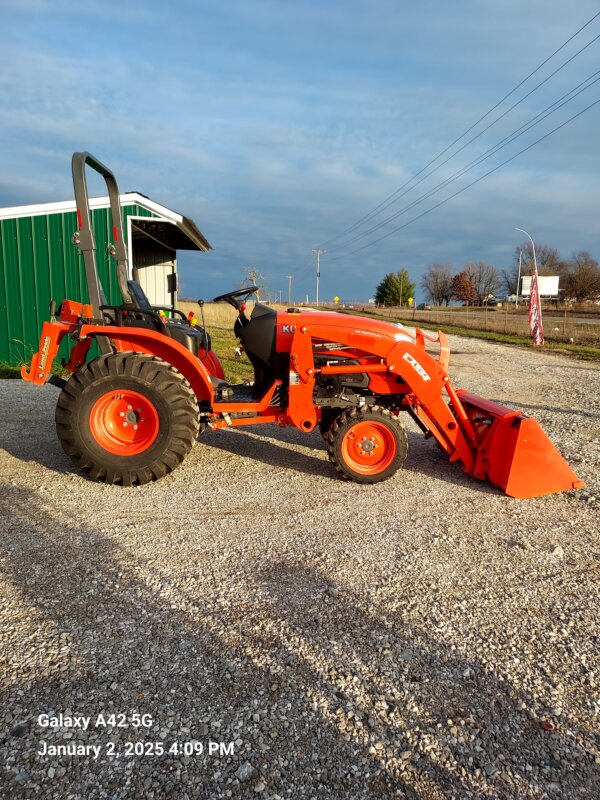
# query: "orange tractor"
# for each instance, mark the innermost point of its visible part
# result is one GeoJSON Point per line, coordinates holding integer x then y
{"type": "Point", "coordinates": [132, 414]}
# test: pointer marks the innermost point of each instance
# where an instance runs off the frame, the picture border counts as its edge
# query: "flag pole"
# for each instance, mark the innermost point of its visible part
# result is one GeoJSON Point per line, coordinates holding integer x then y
{"type": "Point", "coordinates": [535, 306]}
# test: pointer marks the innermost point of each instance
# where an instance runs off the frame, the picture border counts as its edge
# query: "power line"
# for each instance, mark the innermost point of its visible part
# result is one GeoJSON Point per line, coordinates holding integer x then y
{"type": "Point", "coordinates": [466, 144]}
{"type": "Point", "coordinates": [508, 139]}
{"type": "Point", "coordinates": [394, 194]}
{"type": "Point", "coordinates": [468, 186]}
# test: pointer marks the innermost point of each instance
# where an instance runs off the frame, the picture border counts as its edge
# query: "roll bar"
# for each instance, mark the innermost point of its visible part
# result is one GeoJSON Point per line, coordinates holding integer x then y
{"type": "Point", "coordinates": [84, 237]}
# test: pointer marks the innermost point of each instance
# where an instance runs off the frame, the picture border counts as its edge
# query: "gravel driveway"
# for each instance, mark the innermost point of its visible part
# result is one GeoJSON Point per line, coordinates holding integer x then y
{"type": "Point", "coordinates": [291, 635]}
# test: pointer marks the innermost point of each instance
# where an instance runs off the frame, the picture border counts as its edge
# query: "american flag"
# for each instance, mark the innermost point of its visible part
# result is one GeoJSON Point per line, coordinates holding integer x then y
{"type": "Point", "coordinates": [535, 312]}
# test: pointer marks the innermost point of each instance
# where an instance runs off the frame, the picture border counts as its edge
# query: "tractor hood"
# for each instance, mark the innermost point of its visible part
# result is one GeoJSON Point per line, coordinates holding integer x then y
{"type": "Point", "coordinates": [363, 328]}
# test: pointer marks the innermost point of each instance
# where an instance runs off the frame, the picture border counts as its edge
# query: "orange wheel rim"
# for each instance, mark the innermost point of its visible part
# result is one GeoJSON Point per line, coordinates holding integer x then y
{"type": "Point", "coordinates": [124, 422]}
{"type": "Point", "coordinates": [369, 447]}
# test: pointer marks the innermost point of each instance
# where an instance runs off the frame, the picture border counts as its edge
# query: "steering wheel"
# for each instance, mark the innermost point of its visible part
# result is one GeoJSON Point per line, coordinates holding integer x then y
{"type": "Point", "coordinates": [231, 297]}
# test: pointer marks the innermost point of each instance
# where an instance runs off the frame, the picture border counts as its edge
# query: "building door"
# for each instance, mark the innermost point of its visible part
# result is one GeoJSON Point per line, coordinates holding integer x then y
{"type": "Point", "coordinates": [155, 268]}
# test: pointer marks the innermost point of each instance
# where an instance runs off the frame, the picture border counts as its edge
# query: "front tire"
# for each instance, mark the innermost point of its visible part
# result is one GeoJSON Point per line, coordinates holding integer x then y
{"type": "Point", "coordinates": [127, 418]}
{"type": "Point", "coordinates": [327, 417]}
{"type": "Point", "coordinates": [367, 444]}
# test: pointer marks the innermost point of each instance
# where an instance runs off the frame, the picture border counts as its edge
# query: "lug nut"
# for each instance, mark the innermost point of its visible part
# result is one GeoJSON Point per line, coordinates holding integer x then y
{"type": "Point", "coordinates": [124, 424]}
{"type": "Point", "coordinates": [135, 427]}
{"type": "Point", "coordinates": [121, 413]}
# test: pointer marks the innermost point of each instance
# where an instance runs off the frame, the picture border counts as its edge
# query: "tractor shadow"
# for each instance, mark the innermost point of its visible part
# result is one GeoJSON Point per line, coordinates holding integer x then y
{"type": "Point", "coordinates": [282, 448]}
{"type": "Point", "coordinates": [394, 688]}
{"type": "Point", "coordinates": [358, 702]}
{"type": "Point", "coordinates": [425, 458]}
{"type": "Point", "coordinates": [275, 450]}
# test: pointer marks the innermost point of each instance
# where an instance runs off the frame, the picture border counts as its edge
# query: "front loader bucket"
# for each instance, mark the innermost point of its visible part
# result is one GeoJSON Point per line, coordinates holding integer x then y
{"type": "Point", "coordinates": [514, 452]}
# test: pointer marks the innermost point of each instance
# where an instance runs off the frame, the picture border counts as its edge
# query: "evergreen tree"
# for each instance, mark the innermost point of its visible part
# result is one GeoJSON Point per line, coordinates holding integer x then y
{"type": "Point", "coordinates": [388, 291]}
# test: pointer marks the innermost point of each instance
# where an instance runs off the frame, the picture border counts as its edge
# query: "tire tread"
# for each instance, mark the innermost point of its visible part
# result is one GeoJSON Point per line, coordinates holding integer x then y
{"type": "Point", "coordinates": [339, 426]}
{"type": "Point", "coordinates": [148, 371]}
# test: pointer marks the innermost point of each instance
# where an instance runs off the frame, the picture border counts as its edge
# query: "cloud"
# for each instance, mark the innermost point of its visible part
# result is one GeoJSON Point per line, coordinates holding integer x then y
{"type": "Point", "coordinates": [277, 125]}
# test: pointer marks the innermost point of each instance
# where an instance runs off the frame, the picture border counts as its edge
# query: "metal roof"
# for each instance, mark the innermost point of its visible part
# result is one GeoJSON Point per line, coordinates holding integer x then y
{"type": "Point", "coordinates": [170, 228]}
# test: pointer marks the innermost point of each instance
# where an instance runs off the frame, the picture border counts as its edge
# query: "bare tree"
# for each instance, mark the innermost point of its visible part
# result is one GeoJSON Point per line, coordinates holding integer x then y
{"type": "Point", "coordinates": [253, 277]}
{"type": "Point", "coordinates": [510, 278]}
{"type": "Point", "coordinates": [582, 279]}
{"type": "Point", "coordinates": [485, 279]}
{"type": "Point", "coordinates": [548, 259]}
{"type": "Point", "coordinates": [437, 283]}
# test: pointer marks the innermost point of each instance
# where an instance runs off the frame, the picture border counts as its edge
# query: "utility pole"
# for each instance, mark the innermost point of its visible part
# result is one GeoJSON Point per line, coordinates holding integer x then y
{"type": "Point", "coordinates": [289, 277]}
{"type": "Point", "coordinates": [319, 253]}
{"type": "Point", "coordinates": [518, 280]}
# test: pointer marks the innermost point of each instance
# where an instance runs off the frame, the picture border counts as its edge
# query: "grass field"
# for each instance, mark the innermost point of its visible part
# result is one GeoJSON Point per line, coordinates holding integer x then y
{"type": "Point", "coordinates": [498, 327]}
{"type": "Point", "coordinates": [579, 326]}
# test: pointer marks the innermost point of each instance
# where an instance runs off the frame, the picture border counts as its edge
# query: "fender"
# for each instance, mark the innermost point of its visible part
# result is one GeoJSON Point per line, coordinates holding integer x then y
{"type": "Point", "coordinates": [145, 340]}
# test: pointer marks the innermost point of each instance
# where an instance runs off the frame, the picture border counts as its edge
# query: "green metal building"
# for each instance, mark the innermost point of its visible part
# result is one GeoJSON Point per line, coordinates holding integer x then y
{"type": "Point", "coordinates": [39, 263]}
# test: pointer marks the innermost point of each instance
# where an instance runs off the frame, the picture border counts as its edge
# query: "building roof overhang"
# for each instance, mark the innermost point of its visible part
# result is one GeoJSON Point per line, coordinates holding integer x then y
{"type": "Point", "coordinates": [169, 227]}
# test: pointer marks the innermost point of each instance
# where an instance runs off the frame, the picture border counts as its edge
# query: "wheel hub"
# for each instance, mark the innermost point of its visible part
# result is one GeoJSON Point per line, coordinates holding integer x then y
{"type": "Point", "coordinates": [131, 417]}
{"type": "Point", "coordinates": [124, 423]}
{"type": "Point", "coordinates": [369, 447]}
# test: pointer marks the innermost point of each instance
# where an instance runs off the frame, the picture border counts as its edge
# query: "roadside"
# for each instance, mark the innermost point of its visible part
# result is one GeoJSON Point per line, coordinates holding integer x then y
{"type": "Point", "coordinates": [589, 352]}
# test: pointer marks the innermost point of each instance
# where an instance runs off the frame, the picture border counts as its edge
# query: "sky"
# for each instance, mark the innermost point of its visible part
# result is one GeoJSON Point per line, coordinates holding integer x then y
{"type": "Point", "coordinates": [277, 125]}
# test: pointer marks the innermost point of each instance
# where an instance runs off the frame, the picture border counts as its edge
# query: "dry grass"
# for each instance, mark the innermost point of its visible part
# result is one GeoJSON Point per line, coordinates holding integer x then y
{"type": "Point", "coordinates": [216, 315]}
{"type": "Point", "coordinates": [219, 319]}
{"type": "Point", "coordinates": [559, 326]}
{"type": "Point", "coordinates": [219, 315]}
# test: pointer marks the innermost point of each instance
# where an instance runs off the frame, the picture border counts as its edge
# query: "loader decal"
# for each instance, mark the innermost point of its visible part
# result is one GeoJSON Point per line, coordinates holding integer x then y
{"type": "Point", "coordinates": [416, 366]}
{"type": "Point", "coordinates": [44, 351]}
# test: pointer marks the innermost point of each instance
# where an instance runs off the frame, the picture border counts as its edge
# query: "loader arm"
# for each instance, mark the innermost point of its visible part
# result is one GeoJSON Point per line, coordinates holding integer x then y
{"type": "Point", "coordinates": [490, 441]}
{"type": "Point", "coordinates": [397, 359]}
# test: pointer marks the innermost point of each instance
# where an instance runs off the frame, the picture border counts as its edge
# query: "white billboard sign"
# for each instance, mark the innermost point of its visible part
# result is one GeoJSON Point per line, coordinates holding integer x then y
{"type": "Point", "coordinates": [548, 285]}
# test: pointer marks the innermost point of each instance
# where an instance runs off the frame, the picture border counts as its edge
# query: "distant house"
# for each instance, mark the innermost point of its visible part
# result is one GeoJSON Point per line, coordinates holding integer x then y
{"type": "Point", "coordinates": [38, 261]}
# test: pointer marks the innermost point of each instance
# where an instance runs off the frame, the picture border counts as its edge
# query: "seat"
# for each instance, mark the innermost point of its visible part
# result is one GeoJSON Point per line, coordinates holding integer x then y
{"type": "Point", "coordinates": [191, 338]}
{"type": "Point", "coordinates": [258, 338]}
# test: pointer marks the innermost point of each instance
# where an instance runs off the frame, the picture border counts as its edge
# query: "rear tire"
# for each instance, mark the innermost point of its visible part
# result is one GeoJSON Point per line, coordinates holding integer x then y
{"type": "Point", "coordinates": [127, 418]}
{"type": "Point", "coordinates": [367, 445]}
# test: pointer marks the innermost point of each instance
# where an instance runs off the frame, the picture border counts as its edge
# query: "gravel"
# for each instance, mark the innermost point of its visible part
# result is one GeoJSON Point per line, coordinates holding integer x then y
{"type": "Point", "coordinates": [426, 637]}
